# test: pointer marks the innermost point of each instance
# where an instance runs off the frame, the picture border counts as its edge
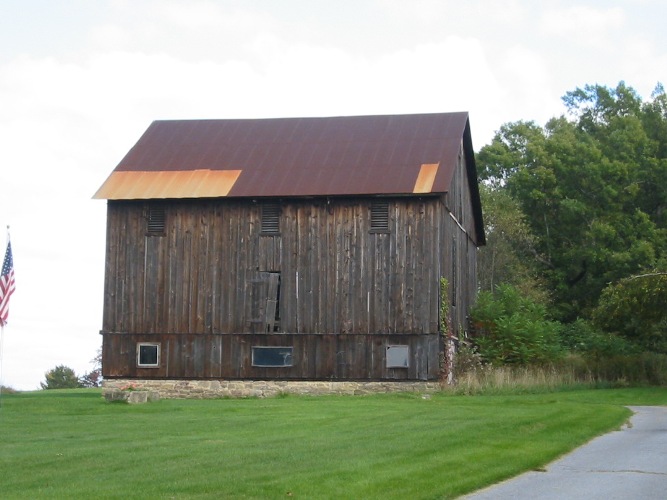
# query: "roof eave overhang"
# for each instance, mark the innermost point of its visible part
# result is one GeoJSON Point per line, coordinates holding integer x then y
{"type": "Point", "coordinates": [471, 170]}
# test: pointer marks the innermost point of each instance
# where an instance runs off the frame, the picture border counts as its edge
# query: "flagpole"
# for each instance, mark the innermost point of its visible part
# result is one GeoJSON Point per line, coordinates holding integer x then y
{"type": "Point", "coordinates": [2, 342]}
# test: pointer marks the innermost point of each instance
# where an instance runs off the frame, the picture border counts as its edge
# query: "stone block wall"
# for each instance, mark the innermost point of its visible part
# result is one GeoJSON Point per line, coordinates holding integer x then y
{"type": "Point", "coordinates": [207, 389]}
{"type": "Point", "coordinates": [134, 396]}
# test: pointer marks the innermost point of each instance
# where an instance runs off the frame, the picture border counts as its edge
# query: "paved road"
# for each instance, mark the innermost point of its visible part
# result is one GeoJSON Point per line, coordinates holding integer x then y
{"type": "Point", "coordinates": [626, 464]}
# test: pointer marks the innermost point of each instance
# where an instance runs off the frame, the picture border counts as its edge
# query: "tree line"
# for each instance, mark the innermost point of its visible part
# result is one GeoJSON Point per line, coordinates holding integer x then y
{"type": "Point", "coordinates": [576, 220]}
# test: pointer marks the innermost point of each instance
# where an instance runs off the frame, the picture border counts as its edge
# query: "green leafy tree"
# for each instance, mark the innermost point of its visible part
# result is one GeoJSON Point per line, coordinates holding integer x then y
{"type": "Point", "coordinates": [591, 186]}
{"type": "Point", "coordinates": [510, 255]}
{"type": "Point", "coordinates": [634, 308]}
{"type": "Point", "coordinates": [515, 146]}
{"type": "Point", "coordinates": [60, 377]}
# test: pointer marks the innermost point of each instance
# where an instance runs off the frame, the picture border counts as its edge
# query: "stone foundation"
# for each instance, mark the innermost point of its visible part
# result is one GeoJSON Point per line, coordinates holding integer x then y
{"type": "Point", "coordinates": [207, 389]}
{"type": "Point", "coordinates": [113, 394]}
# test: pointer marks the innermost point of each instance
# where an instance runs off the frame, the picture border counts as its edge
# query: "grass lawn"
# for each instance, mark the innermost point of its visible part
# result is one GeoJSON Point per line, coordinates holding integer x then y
{"type": "Point", "coordinates": [73, 444]}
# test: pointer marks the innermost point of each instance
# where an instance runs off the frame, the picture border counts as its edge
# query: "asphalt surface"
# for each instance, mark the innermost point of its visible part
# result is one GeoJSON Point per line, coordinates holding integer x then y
{"type": "Point", "coordinates": [630, 463]}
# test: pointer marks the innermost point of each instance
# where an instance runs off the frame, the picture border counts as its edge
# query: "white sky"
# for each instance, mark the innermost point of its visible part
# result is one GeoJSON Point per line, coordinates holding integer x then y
{"type": "Point", "coordinates": [81, 80]}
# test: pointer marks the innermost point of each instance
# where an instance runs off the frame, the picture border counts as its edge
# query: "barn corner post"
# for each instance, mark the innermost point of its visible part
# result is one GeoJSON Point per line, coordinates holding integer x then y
{"type": "Point", "coordinates": [449, 349]}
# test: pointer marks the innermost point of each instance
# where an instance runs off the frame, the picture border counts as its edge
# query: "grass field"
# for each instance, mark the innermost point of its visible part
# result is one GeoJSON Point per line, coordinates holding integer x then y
{"type": "Point", "coordinates": [73, 444]}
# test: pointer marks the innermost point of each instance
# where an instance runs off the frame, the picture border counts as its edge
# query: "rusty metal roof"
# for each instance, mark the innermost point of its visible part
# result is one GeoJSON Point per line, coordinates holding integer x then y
{"type": "Point", "coordinates": [285, 157]}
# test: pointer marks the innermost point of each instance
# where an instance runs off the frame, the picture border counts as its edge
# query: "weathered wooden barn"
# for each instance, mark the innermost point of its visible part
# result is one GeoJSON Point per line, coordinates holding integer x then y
{"type": "Point", "coordinates": [289, 249]}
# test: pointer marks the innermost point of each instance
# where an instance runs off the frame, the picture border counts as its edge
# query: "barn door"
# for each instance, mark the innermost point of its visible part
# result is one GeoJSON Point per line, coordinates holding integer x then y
{"type": "Point", "coordinates": [265, 302]}
{"type": "Point", "coordinates": [272, 315]}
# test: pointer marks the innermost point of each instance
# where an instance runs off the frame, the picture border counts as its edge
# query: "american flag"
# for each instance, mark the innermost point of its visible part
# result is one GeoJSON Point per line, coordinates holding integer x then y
{"type": "Point", "coordinates": [6, 284]}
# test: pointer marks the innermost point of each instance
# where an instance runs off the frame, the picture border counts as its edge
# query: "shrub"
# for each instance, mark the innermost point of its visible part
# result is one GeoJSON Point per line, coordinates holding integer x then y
{"type": "Point", "coordinates": [467, 359]}
{"type": "Point", "coordinates": [583, 337]}
{"type": "Point", "coordinates": [635, 309]}
{"type": "Point", "coordinates": [512, 329]}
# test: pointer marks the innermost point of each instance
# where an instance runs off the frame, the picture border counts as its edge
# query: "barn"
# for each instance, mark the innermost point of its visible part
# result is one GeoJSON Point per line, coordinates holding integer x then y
{"type": "Point", "coordinates": [289, 249]}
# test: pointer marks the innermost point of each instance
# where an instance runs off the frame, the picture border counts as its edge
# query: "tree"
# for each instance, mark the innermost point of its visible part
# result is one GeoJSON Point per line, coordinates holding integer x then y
{"type": "Point", "coordinates": [91, 379]}
{"type": "Point", "coordinates": [634, 308]}
{"type": "Point", "coordinates": [509, 256]}
{"type": "Point", "coordinates": [94, 377]}
{"type": "Point", "coordinates": [60, 377]}
{"type": "Point", "coordinates": [592, 189]}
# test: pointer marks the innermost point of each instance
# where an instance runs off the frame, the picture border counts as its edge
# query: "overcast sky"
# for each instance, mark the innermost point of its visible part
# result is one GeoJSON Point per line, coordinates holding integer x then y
{"type": "Point", "coordinates": [81, 80]}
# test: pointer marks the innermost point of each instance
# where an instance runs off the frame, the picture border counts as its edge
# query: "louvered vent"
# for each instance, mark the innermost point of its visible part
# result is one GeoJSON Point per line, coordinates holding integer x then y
{"type": "Point", "coordinates": [156, 219]}
{"type": "Point", "coordinates": [270, 218]}
{"type": "Point", "coordinates": [380, 216]}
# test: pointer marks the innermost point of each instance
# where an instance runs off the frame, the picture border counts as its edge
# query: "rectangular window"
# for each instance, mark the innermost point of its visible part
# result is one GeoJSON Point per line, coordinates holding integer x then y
{"type": "Point", "coordinates": [272, 357]}
{"type": "Point", "coordinates": [270, 223]}
{"type": "Point", "coordinates": [398, 356]}
{"type": "Point", "coordinates": [156, 219]}
{"type": "Point", "coordinates": [380, 216]}
{"type": "Point", "coordinates": [148, 355]}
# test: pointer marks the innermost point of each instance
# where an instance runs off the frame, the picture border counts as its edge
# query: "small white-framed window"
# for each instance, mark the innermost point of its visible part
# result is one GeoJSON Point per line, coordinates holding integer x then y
{"type": "Point", "coordinates": [398, 356]}
{"type": "Point", "coordinates": [272, 357]}
{"type": "Point", "coordinates": [148, 354]}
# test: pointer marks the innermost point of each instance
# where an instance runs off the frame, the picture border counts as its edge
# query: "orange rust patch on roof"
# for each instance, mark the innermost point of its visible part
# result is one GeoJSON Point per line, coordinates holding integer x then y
{"type": "Point", "coordinates": [426, 178]}
{"type": "Point", "coordinates": [133, 185]}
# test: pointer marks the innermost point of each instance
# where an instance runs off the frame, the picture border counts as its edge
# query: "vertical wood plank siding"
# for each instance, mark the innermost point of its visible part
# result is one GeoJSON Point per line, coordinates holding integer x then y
{"type": "Point", "coordinates": [336, 276]}
{"type": "Point", "coordinates": [460, 265]}
{"type": "Point", "coordinates": [346, 292]}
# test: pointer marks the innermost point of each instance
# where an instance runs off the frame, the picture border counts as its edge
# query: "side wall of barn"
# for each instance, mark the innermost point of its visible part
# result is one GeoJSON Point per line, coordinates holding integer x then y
{"type": "Point", "coordinates": [459, 245]}
{"type": "Point", "coordinates": [333, 285]}
{"type": "Point", "coordinates": [211, 271]}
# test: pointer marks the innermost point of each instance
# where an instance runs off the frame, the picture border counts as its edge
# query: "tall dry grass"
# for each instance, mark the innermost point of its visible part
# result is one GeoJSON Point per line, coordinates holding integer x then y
{"type": "Point", "coordinates": [573, 371]}
{"type": "Point", "coordinates": [490, 379]}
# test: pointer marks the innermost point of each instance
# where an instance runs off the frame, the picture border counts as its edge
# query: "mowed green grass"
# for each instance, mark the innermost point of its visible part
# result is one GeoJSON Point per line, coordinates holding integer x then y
{"type": "Point", "coordinates": [73, 444]}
